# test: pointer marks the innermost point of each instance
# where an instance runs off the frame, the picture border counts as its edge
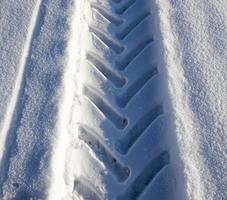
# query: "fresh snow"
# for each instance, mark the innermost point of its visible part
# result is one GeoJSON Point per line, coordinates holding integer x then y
{"type": "Point", "coordinates": [43, 46]}
{"type": "Point", "coordinates": [195, 36]}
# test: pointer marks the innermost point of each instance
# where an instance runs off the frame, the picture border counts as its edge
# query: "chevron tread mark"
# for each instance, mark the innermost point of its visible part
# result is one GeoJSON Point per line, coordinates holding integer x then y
{"type": "Point", "coordinates": [104, 106]}
{"type": "Point", "coordinates": [89, 136]}
{"type": "Point", "coordinates": [120, 147]}
{"type": "Point", "coordinates": [145, 177]}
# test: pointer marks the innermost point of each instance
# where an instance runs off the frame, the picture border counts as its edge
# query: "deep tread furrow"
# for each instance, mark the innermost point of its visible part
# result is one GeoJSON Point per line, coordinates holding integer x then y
{"type": "Point", "coordinates": [113, 45]}
{"type": "Point", "coordinates": [117, 119]}
{"type": "Point", "coordinates": [110, 17]}
{"type": "Point", "coordinates": [129, 139]}
{"type": "Point", "coordinates": [137, 187]}
{"type": "Point", "coordinates": [109, 73]}
{"type": "Point", "coordinates": [86, 189]}
{"type": "Point", "coordinates": [125, 98]}
{"type": "Point", "coordinates": [104, 154]}
{"type": "Point", "coordinates": [122, 56]}
{"type": "Point", "coordinates": [128, 29]}
{"type": "Point", "coordinates": [128, 58]}
{"type": "Point", "coordinates": [121, 10]}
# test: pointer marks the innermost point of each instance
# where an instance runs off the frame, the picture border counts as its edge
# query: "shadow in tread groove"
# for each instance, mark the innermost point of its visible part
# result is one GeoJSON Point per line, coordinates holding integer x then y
{"type": "Point", "coordinates": [123, 8]}
{"type": "Point", "coordinates": [128, 58]}
{"type": "Point", "coordinates": [107, 15]}
{"type": "Point", "coordinates": [119, 121]}
{"type": "Point", "coordinates": [86, 190]}
{"type": "Point", "coordinates": [97, 62]}
{"type": "Point", "coordinates": [91, 138]}
{"type": "Point", "coordinates": [127, 141]}
{"type": "Point", "coordinates": [117, 1]}
{"type": "Point", "coordinates": [117, 48]}
{"type": "Point", "coordinates": [125, 98]}
{"type": "Point", "coordinates": [128, 29]}
{"type": "Point", "coordinates": [145, 177]}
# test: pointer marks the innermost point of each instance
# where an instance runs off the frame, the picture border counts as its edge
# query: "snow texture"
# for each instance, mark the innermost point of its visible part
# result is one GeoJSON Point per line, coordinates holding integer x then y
{"type": "Point", "coordinates": [197, 74]}
{"type": "Point", "coordinates": [80, 120]}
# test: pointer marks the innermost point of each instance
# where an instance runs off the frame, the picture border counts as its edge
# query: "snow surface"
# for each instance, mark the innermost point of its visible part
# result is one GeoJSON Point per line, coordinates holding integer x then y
{"type": "Point", "coordinates": [40, 43]}
{"type": "Point", "coordinates": [196, 39]}
{"type": "Point", "coordinates": [38, 70]}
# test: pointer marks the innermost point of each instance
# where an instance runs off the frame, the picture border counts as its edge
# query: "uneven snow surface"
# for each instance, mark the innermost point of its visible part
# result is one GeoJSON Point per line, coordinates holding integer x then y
{"type": "Point", "coordinates": [113, 99]}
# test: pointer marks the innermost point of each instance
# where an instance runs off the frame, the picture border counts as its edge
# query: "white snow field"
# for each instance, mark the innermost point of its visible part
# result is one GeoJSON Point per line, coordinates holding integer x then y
{"type": "Point", "coordinates": [113, 99]}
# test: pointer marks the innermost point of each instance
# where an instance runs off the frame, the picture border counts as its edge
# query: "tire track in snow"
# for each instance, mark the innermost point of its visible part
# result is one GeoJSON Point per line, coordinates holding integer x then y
{"type": "Point", "coordinates": [98, 160]}
{"type": "Point", "coordinates": [12, 113]}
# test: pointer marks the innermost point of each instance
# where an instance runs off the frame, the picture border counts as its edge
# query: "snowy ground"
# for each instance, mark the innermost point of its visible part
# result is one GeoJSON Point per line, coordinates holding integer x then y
{"type": "Point", "coordinates": [113, 99]}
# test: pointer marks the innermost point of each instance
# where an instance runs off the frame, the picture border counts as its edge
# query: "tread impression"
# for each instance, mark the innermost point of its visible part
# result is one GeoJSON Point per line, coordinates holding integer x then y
{"type": "Point", "coordinates": [116, 71]}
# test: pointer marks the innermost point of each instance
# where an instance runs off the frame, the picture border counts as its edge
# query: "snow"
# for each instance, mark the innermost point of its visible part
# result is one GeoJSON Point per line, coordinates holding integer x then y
{"type": "Point", "coordinates": [19, 80]}
{"type": "Point", "coordinates": [28, 146]}
{"type": "Point", "coordinates": [195, 33]}
{"type": "Point", "coordinates": [65, 128]}
{"type": "Point", "coordinates": [42, 44]}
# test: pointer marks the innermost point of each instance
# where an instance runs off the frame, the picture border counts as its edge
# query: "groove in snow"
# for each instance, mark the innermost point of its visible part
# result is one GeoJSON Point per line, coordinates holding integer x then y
{"type": "Point", "coordinates": [10, 112]}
